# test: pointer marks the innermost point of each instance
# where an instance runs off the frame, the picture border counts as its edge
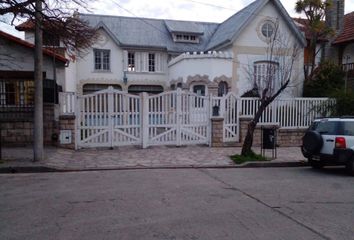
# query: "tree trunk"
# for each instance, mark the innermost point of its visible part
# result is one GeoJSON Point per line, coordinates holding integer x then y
{"type": "Point", "coordinates": [248, 142]}
{"type": "Point", "coordinates": [38, 84]}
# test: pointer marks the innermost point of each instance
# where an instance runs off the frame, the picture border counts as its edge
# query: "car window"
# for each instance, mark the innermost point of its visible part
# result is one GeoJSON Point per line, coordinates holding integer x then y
{"type": "Point", "coordinates": [326, 127]}
{"type": "Point", "coordinates": [348, 128]}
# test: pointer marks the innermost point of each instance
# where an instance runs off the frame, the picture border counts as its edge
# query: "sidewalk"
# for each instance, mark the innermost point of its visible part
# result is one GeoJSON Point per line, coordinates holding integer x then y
{"type": "Point", "coordinates": [134, 157]}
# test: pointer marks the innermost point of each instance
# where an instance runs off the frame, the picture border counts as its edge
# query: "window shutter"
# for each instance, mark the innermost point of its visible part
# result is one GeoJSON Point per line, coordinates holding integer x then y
{"type": "Point", "coordinates": [158, 62]}
{"type": "Point", "coordinates": [144, 61]}
{"type": "Point", "coordinates": [125, 60]}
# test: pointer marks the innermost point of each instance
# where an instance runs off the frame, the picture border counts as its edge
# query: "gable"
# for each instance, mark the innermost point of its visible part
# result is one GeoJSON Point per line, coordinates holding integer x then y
{"type": "Point", "coordinates": [232, 28]}
{"type": "Point", "coordinates": [252, 35]}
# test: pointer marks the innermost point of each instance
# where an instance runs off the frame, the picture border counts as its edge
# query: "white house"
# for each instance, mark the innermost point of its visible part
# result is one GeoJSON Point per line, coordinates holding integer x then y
{"type": "Point", "coordinates": [154, 55]}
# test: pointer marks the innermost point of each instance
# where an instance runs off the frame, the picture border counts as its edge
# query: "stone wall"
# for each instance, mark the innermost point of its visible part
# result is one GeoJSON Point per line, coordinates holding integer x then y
{"type": "Point", "coordinates": [67, 123]}
{"type": "Point", "coordinates": [20, 133]}
{"type": "Point", "coordinates": [285, 137]}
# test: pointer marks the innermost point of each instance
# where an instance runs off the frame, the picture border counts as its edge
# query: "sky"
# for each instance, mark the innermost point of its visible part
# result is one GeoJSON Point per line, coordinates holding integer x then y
{"type": "Point", "coordinates": [192, 10]}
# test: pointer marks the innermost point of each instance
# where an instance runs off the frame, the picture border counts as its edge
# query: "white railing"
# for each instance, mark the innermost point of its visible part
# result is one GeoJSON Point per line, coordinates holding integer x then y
{"type": "Point", "coordinates": [67, 102]}
{"type": "Point", "coordinates": [290, 112]}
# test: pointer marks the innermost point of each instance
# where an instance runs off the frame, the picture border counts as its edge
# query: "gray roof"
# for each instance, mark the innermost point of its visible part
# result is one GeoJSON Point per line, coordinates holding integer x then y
{"type": "Point", "coordinates": [156, 33]}
{"type": "Point", "coordinates": [183, 27]}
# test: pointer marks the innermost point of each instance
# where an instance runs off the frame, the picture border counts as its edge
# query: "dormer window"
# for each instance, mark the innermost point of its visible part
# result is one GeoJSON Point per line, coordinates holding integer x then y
{"type": "Point", "coordinates": [187, 38]}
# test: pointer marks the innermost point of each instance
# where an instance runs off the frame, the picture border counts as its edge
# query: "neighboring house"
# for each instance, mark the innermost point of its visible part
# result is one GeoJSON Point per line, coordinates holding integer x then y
{"type": "Point", "coordinates": [155, 55]}
{"type": "Point", "coordinates": [338, 48]}
{"type": "Point", "coordinates": [344, 44]}
{"type": "Point", "coordinates": [309, 52]}
{"type": "Point", "coordinates": [17, 85]}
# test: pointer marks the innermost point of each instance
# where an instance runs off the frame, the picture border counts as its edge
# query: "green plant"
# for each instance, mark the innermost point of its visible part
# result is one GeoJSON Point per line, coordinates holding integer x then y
{"type": "Point", "coordinates": [344, 103]}
{"type": "Point", "coordinates": [251, 157]}
{"type": "Point", "coordinates": [327, 78]}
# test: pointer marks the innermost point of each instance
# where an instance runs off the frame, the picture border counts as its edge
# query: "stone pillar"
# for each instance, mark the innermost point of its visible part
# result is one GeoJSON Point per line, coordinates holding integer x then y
{"type": "Point", "coordinates": [67, 123]}
{"type": "Point", "coordinates": [217, 124]}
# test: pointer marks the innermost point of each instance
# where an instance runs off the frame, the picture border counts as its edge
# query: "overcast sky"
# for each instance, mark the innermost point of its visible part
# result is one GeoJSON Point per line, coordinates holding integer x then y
{"type": "Point", "coordinates": [193, 10]}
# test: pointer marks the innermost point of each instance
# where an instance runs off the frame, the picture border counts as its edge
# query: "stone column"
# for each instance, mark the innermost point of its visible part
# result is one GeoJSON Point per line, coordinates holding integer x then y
{"type": "Point", "coordinates": [217, 124]}
{"type": "Point", "coordinates": [67, 122]}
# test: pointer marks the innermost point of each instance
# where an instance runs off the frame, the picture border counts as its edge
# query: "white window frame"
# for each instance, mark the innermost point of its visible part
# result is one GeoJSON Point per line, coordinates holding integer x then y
{"type": "Point", "coordinates": [131, 62]}
{"type": "Point", "coordinates": [264, 70]}
{"type": "Point", "coordinates": [102, 60]}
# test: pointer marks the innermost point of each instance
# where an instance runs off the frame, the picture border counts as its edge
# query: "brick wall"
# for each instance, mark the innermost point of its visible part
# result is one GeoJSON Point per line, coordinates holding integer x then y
{"type": "Point", "coordinates": [20, 133]}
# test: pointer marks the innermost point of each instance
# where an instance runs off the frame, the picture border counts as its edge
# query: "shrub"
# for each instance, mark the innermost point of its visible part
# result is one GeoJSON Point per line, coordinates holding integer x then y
{"type": "Point", "coordinates": [344, 103]}
{"type": "Point", "coordinates": [327, 78]}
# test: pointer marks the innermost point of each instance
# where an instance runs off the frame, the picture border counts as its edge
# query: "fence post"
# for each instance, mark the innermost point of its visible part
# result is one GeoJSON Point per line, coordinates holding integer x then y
{"type": "Point", "coordinates": [110, 115]}
{"type": "Point", "coordinates": [144, 118]}
{"type": "Point", "coordinates": [179, 116]}
{"type": "Point", "coordinates": [77, 129]}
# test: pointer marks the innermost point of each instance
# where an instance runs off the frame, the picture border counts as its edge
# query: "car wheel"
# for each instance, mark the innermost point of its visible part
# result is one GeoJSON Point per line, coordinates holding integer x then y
{"type": "Point", "coordinates": [312, 142]}
{"type": "Point", "coordinates": [350, 167]}
{"type": "Point", "coordinates": [315, 164]}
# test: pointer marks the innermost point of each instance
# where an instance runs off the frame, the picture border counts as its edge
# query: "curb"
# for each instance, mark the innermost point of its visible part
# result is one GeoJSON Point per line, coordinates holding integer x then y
{"type": "Point", "coordinates": [44, 169]}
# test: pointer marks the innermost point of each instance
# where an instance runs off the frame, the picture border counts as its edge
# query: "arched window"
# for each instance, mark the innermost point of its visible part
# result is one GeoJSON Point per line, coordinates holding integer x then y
{"type": "Point", "coordinates": [266, 75]}
{"type": "Point", "coordinates": [222, 89]}
{"type": "Point", "coordinates": [179, 85]}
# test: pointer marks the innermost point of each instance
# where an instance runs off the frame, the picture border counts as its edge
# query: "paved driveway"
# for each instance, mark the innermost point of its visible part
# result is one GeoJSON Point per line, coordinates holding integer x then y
{"type": "Point", "coordinates": [258, 203]}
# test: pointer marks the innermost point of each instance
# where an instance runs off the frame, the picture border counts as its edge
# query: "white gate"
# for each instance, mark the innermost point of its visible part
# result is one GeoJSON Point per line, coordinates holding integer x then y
{"type": "Point", "coordinates": [109, 118]}
{"type": "Point", "coordinates": [230, 110]}
{"type": "Point", "coordinates": [177, 118]}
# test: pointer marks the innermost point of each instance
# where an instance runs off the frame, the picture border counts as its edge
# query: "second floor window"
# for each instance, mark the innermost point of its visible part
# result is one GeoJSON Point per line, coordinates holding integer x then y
{"type": "Point", "coordinates": [102, 59]}
{"type": "Point", "coordinates": [151, 62]}
{"type": "Point", "coordinates": [131, 61]}
{"type": "Point", "coordinates": [266, 75]}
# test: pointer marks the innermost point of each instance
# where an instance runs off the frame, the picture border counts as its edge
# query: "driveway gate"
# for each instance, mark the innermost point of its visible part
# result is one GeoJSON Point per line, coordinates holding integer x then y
{"type": "Point", "coordinates": [110, 118]}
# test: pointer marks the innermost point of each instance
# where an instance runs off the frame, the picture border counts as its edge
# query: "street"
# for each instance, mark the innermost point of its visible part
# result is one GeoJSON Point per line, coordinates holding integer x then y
{"type": "Point", "coordinates": [249, 203]}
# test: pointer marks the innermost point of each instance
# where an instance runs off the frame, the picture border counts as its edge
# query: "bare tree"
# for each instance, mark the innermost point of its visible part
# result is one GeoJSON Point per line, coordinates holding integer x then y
{"type": "Point", "coordinates": [56, 18]}
{"type": "Point", "coordinates": [272, 78]}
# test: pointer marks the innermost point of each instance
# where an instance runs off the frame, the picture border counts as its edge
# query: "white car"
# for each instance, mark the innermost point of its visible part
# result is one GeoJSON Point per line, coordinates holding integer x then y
{"type": "Point", "coordinates": [330, 141]}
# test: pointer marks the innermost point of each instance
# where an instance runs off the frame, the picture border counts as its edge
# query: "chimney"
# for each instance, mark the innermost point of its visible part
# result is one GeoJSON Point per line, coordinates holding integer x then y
{"type": "Point", "coordinates": [334, 20]}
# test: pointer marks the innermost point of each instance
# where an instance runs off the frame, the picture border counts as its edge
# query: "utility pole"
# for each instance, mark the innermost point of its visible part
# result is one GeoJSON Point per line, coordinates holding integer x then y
{"type": "Point", "coordinates": [38, 85]}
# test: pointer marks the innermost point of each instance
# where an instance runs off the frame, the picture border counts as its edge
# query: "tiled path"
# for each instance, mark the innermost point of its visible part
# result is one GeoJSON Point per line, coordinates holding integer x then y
{"type": "Point", "coordinates": [132, 157]}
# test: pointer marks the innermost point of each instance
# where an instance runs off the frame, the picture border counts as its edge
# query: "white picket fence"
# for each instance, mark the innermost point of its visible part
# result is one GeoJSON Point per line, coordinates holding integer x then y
{"type": "Point", "coordinates": [288, 113]}
{"type": "Point", "coordinates": [177, 117]}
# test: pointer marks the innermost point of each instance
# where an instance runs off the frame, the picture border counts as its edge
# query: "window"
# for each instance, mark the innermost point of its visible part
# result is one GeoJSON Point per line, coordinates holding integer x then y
{"type": "Point", "coordinates": [222, 89]}
{"type": "Point", "coordinates": [267, 29]}
{"type": "Point", "coordinates": [199, 90]}
{"type": "Point", "coordinates": [131, 61]}
{"type": "Point", "coordinates": [266, 75]}
{"type": "Point", "coordinates": [102, 59]}
{"type": "Point", "coordinates": [152, 89]}
{"type": "Point", "coordinates": [91, 88]}
{"type": "Point", "coordinates": [151, 62]}
{"type": "Point", "coordinates": [186, 38]}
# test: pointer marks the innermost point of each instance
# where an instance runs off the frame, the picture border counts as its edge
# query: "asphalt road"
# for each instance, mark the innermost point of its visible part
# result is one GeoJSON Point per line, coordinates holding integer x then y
{"type": "Point", "coordinates": [257, 203]}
